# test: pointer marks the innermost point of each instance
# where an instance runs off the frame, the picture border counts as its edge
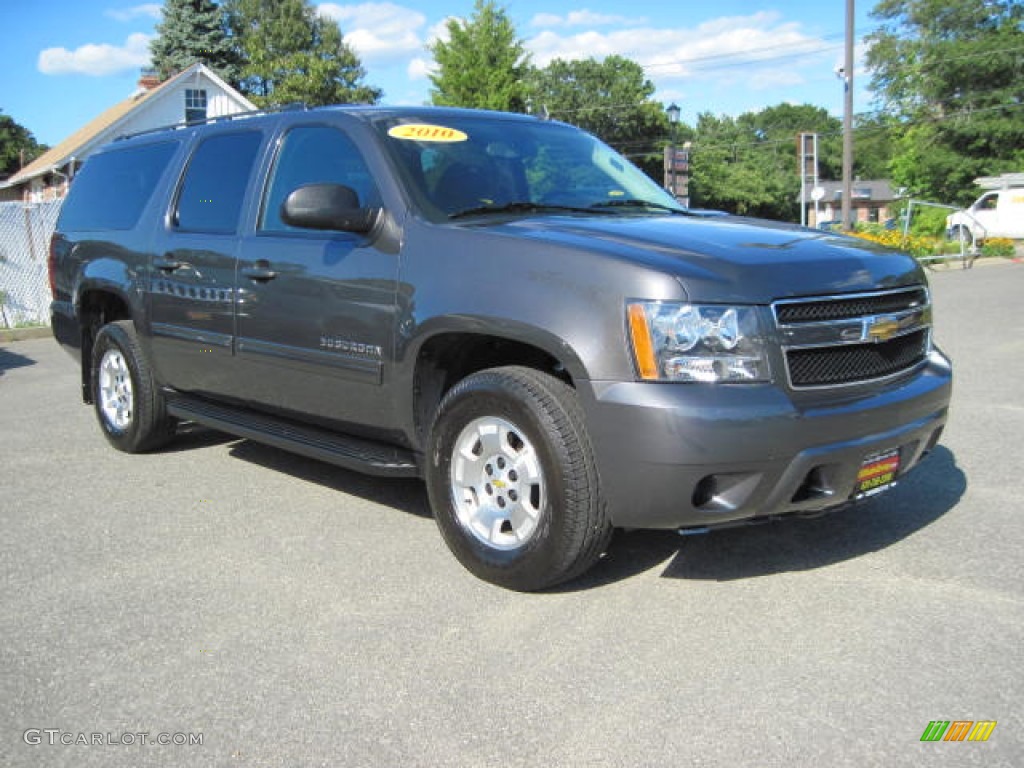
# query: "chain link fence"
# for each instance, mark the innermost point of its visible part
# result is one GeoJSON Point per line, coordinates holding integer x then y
{"type": "Point", "coordinates": [25, 230]}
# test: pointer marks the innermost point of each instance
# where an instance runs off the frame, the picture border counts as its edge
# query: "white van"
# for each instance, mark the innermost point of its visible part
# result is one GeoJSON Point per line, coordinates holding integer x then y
{"type": "Point", "coordinates": [999, 213]}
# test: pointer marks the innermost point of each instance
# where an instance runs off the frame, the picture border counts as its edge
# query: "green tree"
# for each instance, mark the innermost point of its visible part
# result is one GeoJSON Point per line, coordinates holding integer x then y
{"type": "Point", "coordinates": [17, 146]}
{"type": "Point", "coordinates": [609, 98]}
{"type": "Point", "coordinates": [191, 31]}
{"type": "Point", "coordinates": [293, 54]}
{"type": "Point", "coordinates": [952, 72]}
{"type": "Point", "coordinates": [483, 64]}
{"type": "Point", "coordinates": [748, 165]}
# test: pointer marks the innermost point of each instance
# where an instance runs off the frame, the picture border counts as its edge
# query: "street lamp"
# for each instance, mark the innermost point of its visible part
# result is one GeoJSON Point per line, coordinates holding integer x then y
{"type": "Point", "coordinates": [673, 119]}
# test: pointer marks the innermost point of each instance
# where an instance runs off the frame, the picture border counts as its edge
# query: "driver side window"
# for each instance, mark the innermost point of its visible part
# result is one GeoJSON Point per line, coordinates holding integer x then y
{"type": "Point", "coordinates": [315, 154]}
{"type": "Point", "coordinates": [988, 203]}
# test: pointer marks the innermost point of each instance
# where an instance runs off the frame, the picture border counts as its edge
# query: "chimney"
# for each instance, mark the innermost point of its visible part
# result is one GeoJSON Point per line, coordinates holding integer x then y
{"type": "Point", "coordinates": [149, 79]}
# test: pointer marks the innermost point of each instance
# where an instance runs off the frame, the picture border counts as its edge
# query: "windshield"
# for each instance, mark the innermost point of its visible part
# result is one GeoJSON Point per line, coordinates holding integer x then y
{"type": "Point", "coordinates": [469, 165]}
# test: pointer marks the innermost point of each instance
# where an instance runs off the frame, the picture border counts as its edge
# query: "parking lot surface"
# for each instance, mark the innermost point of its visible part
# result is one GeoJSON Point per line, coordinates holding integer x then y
{"type": "Point", "coordinates": [288, 613]}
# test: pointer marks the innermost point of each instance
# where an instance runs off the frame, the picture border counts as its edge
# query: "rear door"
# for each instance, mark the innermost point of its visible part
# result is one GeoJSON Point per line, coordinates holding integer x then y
{"type": "Point", "coordinates": [192, 274]}
{"type": "Point", "coordinates": [316, 310]}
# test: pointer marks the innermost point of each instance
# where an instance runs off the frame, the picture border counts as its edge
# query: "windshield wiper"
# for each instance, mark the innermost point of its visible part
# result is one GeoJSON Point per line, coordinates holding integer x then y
{"type": "Point", "coordinates": [635, 203]}
{"type": "Point", "coordinates": [522, 207]}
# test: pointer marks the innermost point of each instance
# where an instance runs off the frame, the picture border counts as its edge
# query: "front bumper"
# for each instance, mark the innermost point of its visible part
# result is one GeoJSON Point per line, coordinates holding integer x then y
{"type": "Point", "coordinates": [694, 456]}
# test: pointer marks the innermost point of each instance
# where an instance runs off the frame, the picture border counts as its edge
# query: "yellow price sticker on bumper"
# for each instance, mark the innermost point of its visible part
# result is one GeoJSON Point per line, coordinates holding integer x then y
{"type": "Point", "coordinates": [426, 132]}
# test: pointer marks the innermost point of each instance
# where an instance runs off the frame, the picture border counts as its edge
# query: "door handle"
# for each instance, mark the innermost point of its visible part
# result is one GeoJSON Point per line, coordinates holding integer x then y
{"type": "Point", "coordinates": [260, 272]}
{"type": "Point", "coordinates": [167, 263]}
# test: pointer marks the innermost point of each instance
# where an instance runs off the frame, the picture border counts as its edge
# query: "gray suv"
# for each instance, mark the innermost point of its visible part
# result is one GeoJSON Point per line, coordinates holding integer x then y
{"type": "Point", "coordinates": [502, 306]}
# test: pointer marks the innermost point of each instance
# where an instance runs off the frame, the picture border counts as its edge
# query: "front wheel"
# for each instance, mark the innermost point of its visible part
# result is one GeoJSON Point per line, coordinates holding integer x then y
{"type": "Point", "coordinates": [512, 479]}
{"type": "Point", "coordinates": [129, 405]}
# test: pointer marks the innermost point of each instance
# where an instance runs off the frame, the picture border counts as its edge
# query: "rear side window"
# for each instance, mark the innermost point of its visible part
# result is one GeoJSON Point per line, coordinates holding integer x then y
{"type": "Point", "coordinates": [112, 188]}
{"type": "Point", "coordinates": [214, 187]}
{"type": "Point", "coordinates": [315, 154]}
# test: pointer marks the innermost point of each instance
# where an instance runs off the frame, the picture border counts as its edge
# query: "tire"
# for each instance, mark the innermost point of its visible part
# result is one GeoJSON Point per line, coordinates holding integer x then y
{"type": "Point", "coordinates": [956, 232]}
{"type": "Point", "coordinates": [129, 405]}
{"type": "Point", "coordinates": [512, 479]}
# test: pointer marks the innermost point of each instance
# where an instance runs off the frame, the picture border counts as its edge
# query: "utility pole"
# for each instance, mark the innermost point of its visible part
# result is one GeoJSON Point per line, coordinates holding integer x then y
{"type": "Point", "coordinates": [848, 120]}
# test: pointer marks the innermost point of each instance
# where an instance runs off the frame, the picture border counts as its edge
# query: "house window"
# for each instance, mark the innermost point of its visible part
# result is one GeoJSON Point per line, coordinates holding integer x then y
{"type": "Point", "coordinates": [195, 106]}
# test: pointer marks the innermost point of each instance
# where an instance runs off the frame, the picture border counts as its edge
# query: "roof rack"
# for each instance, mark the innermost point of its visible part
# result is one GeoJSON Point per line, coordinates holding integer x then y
{"type": "Point", "coordinates": [291, 107]}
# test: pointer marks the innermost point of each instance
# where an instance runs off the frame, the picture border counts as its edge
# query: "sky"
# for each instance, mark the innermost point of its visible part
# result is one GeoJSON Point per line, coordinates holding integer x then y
{"type": "Point", "coordinates": [66, 61]}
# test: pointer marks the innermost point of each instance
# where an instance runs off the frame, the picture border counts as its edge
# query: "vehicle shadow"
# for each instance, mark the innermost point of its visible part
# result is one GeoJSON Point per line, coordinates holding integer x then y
{"type": "Point", "coordinates": [795, 544]}
{"type": "Point", "coordinates": [191, 436]}
{"type": "Point", "coordinates": [406, 495]}
{"type": "Point", "coordinates": [11, 360]}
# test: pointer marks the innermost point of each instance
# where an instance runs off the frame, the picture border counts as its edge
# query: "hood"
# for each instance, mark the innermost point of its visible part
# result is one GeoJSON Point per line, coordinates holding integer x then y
{"type": "Point", "coordinates": [728, 258]}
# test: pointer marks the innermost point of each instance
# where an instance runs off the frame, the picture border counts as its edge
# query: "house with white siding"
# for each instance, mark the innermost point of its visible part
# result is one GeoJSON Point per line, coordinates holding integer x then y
{"type": "Point", "coordinates": [194, 94]}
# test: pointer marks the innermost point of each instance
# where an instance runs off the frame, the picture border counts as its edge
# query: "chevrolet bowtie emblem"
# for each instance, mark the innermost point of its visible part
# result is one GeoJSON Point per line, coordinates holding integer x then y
{"type": "Point", "coordinates": [882, 329]}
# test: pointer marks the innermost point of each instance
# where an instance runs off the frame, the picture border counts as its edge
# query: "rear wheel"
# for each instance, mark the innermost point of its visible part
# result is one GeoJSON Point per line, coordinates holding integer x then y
{"type": "Point", "coordinates": [512, 480]}
{"type": "Point", "coordinates": [960, 232]}
{"type": "Point", "coordinates": [129, 405]}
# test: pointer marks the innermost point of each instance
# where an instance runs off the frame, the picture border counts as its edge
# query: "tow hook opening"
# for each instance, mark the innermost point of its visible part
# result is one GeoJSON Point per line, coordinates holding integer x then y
{"type": "Point", "coordinates": [726, 492]}
{"type": "Point", "coordinates": [817, 484]}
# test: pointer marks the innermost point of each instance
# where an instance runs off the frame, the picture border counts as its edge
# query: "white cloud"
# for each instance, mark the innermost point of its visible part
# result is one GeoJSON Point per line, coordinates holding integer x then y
{"type": "Point", "coordinates": [97, 60]}
{"type": "Point", "coordinates": [378, 32]}
{"type": "Point", "coordinates": [440, 30]}
{"type": "Point", "coordinates": [150, 10]}
{"type": "Point", "coordinates": [419, 69]}
{"type": "Point", "coordinates": [584, 18]}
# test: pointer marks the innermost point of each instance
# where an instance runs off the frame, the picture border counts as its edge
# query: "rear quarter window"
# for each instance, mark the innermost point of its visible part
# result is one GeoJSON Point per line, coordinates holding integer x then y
{"type": "Point", "coordinates": [113, 188]}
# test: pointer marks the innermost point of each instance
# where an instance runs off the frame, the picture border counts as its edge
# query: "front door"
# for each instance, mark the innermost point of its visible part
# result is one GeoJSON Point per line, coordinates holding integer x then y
{"type": "Point", "coordinates": [315, 310]}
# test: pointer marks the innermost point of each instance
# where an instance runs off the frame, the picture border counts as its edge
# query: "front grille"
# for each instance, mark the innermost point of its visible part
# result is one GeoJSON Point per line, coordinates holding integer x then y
{"type": "Point", "coordinates": [850, 339]}
{"type": "Point", "coordinates": [823, 310]}
{"type": "Point", "coordinates": [825, 366]}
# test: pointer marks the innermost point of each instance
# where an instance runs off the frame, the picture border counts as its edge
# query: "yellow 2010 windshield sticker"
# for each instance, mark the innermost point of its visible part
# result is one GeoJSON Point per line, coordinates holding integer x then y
{"type": "Point", "coordinates": [426, 132]}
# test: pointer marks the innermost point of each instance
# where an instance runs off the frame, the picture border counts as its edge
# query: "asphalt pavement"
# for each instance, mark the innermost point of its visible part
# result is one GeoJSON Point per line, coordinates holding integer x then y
{"type": "Point", "coordinates": [253, 608]}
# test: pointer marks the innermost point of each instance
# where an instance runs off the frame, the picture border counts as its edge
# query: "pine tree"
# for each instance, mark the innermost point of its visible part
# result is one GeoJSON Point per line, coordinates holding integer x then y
{"type": "Point", "coordinates": [484, 64]}
{"type": "Point", "coordinates": [191, 31]}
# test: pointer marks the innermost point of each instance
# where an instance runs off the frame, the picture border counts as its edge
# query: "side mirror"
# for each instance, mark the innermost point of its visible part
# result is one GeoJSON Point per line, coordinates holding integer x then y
{"type": "Point", "coordinates": [327, 206]}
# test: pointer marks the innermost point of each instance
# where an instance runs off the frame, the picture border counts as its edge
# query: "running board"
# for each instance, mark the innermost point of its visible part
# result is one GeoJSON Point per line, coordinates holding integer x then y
{"type": "Point", "coordinates": [355, 453]}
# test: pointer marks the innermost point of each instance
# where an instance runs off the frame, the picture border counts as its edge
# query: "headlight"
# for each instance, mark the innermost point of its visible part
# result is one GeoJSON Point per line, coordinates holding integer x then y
{"type": "Point", "coordinates": [673, 341]}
